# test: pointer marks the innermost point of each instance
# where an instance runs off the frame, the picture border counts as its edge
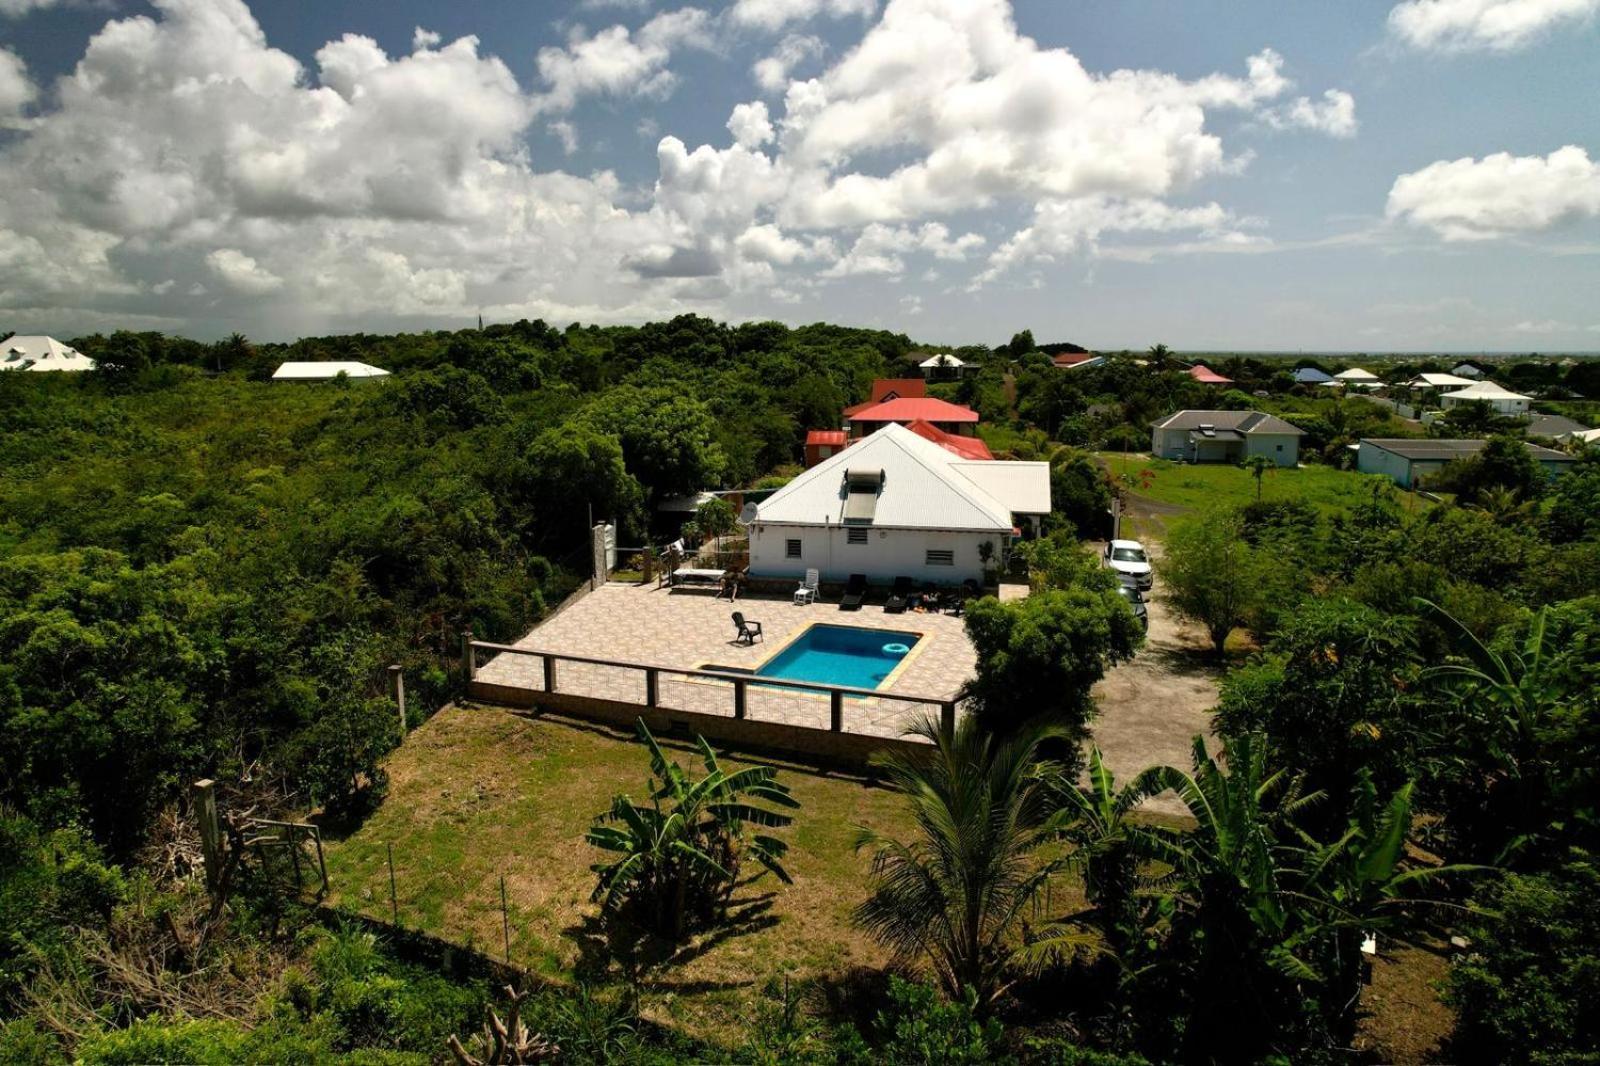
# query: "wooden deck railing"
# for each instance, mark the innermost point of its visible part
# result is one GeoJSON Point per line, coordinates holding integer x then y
{"type": "Point", "coordinates": [836, 694]}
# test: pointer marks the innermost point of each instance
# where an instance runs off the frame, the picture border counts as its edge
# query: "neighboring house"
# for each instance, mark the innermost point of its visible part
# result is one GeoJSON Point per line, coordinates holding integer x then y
{"type": "Point", "coordinates": [1438, 381]}
{"type": "Point", "coordinates": [1206, 376]}
{"type": "Point", "coordinates": [950, 417]}
{"type": "Point", "coordinates": [1076, 360]}
{"type": "Point", "coordinates": [1588, 438]}
{"type": "Point", "coordinates": [1552, 427]}
{"type": "Point", "coordinates": [1310, 375]}
{"type": "Point", "coordinates": [824, 444]}
{"type": "Point", "coordinates": [1405, 462]}
{"type": "Point", "coordinates": [1467, 370]}
{"type": "Point", "coordinates": [1225, 437]}
{"type": "Point", "coordinates": [965, 447]}
{"type": "Point", "coordinates": [41, 353]}
{"type": "Point", "coordinates": [326, 371]}
{"type": "Point", "coordinates": [897, 505]}
{"type": "Point", "coordinates": [942, 367]}
{"type": "Point", "coordinates": [1357, 378]}
{"type": "Point", "coordinates": [1502, 400]}
{"type": "Point", "coordinates": [885, 389]}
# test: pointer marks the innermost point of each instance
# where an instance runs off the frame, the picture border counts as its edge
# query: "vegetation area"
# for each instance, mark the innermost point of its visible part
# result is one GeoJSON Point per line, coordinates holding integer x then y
{"type": "Point", "coordinates": [203, 574]}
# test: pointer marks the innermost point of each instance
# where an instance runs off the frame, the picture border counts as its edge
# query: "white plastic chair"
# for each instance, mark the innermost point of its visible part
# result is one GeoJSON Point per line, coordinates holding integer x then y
{"type": "Point", "coordinates": [807, 592]}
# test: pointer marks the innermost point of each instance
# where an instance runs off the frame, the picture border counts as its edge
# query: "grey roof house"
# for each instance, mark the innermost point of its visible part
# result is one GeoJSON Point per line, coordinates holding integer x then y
{"type": "Point", "coordinates": [1552, 427]}
{"type": "Point", "coordinates": [1225, 437]}
{"type": "Point", "coordinates": [1405, 461]}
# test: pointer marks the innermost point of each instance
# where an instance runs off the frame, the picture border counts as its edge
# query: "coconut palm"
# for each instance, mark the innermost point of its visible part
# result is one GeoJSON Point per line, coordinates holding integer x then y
{"type": "Point", "coordinates": [955, 893]}
{"type": "Point", "coordinates": [1258, 465]}
{"type": "Point", "coordinates": [680, 853]}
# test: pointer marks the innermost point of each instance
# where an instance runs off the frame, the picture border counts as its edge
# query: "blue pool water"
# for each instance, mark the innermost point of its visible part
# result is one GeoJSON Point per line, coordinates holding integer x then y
{"type": "Point", "coordinates": [841, 655]}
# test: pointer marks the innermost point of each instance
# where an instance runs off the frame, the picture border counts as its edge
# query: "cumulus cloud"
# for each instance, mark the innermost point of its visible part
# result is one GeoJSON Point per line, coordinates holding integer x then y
{"type": "Point", "coordinates": [773, 15]}
{"type": "Point", "coordinates": [566, 133]}
{"type": "Point", "coordinates": [1334, 114]}
{"type": "Point", "coordinates": [750, 125]}
{"type": "Point", "coordinates": [1066, 227]}
{"type": "Point", "coordinates": [18, 8]}
{"type": "Point", "coordinates": [882, 249]}
{"type": "Point", "coordinates": [772, 71]}
{"type": "Point", "coordinates": [618, 62]}
{"type": "Point", "coordinates": [1484, 25]}
{"type": "Point", "coordinates": [1499, 195]}
{"type": "Point", "coordinates": [17, 90]}
{"type": "Point", "coordinates": [243, 274]}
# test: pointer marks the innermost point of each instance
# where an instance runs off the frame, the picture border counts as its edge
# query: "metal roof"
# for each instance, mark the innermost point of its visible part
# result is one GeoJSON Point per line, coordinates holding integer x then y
{"type": "Point", "coordinates": [1485, 390]}
{"type": "Point", "coordinates": [1552, 426]}
{"type": "Point", "coordinates": [1242, 421]}
{"type": "Point", "coordinates": [1446, 450]}
{"type": "Point", "coordinates": [1023, 487]}
{"type": "Point", "coordinates": [1355, 373]}
{"type": "Point", "coordinates": [39, 353]}
{"type": "Point", "coordinates": [314, 371]}
{"type": "Point", "coordinates": [924, 487]}
{"type": "Point", "coordinates": [1438, 381]}
{"type": "Point", "coordinates": [911, 408]}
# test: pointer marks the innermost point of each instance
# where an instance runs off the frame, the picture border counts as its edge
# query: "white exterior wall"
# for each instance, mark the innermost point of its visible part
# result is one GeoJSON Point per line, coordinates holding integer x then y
{"type": "Point", "coordinates": [1504, 407]}
{"type": "Point", "coordinates": [1397, 468]}
{"type": "Point", "coordinates": [1169, 443]}
{"type": "Point", "coordinates": [1281, 448]}
{"type": "Point", "coordinates": [888, 553]}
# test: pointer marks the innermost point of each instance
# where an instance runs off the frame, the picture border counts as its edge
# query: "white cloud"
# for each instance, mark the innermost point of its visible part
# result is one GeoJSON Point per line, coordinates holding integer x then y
{"type": "Point", "coordinates": [566, 133]}
{"type": "Point", "coordinates": [1542, 327]}
{"type": "Point", "coordinates": [881, 249]}
{"type": "Point", "coordinates": [750, 125]}
{"type": "Point", "coordinates": [1499, 195]}
{"type": "Point", "coordinates": [772, 71]}
{"type": "Point", "coordinates": [1484, 25]}
{"type": "Point", "coordinates": [774, 15]}
{"type": "Point", "coordinates": [17, 90]}
{"type": "Point", "coordinates": [1067, 227]}
{"type": "Point", "coordinates": [243, 274]}
{"type": "Point", "coordinates": [616, 62]}
{"type": "Point", "coordinates": [1334, 114]}
{"type": "Point", "coordinates": [18, 8]}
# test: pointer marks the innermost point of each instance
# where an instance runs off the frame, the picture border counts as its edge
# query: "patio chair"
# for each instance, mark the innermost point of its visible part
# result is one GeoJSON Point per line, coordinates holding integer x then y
{"type": "Point", "coordinates": [746, 632]}
{"type": "Point", "coordinates": [807, 592]}
{"type": "Point", "coordinates": [898, 596]}
{"type": "Point", "coordinates": [855, 591]}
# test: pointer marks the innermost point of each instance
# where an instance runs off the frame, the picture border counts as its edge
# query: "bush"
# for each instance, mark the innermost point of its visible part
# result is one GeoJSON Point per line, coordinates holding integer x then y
{"type": "Point", "coordinates": [919, 1027]}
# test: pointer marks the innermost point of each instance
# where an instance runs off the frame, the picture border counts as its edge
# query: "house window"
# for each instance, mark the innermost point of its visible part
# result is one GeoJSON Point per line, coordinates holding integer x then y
{"type": "Point", "coordinates": [855, 536]}
{"type": "Point", "coordinates": [1280, 447]}
{"type": "Point", "coordinates": [791, 549]}
{"type": "Point", "coordinates": [940, 557]}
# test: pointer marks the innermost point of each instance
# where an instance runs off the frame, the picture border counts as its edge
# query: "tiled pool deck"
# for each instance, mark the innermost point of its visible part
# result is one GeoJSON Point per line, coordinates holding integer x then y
{"type": "Point", "coordinates": [685, 629]}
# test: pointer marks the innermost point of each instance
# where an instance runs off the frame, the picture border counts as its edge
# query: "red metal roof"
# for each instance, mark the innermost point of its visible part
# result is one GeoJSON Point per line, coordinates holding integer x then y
{"type": "Point", "coordinates": [1202, 373]}
{"type": "Point", "coordinates": [1066, 359]}
{"type": "Point", "coordinates": [910, 409]}
{"type": "Point", "coordinates": [966, 447]}
{"type": "Point", "coordinates": [890, 389]}
{"type": "Point", "coordinates": [820, 437]}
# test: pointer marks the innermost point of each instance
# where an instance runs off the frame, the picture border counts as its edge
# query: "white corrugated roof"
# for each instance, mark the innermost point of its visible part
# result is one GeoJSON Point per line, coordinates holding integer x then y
{"type": "Point", "coordinates": [922, 488]}
{"type": "Point", "coordinates": [41, 353]}
{"type": "Point", "coordinates": [941, 360]}
{"type": "Point", "coordinates": [1485, 390]}
{"type": "Point", "coordinates": [1438, 381]}
{"type": "Point", "coordinates": [1355, 373]}
{"type": "Point", "coordinates": [330, 369]}
{"type": "Point", "coordinates": [1023, 487]}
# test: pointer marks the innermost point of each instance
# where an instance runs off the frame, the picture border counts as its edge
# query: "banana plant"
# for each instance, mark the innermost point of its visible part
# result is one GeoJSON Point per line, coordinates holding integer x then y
{"type": "Point", "coordinates": [680, 853]}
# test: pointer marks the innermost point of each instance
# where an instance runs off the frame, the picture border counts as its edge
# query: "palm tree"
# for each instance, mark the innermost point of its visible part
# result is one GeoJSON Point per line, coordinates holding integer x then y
{"type": "Point", "coordinates": [1258, 465]}
{"type": "Point", "coordinates": [680, 853]}
{"type": "Point", "coordinates": [955, 893]}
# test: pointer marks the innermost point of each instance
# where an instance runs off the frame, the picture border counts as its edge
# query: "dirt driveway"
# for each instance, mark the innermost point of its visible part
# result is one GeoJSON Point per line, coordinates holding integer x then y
{"type": "Point", "coordinates": [1152, 708]}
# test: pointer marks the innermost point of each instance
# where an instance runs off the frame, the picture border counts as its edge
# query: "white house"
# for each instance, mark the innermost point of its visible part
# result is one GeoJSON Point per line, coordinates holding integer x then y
{"type": "Point", "coordinates": [1405, 461]}
{"type": "Point", "coordinates": [895, 505]}
{"type": "Point", "coordinates": [1225, 437]}
{"type": "Point", "coordinates": [1502, 400]}
{"type": "Point", "coordinates": [1438, 381]}
{"type": "Point", "coordinates": [41, 353]}
{"type": "Point", "coordinates": [326, 371]}
{"type": "Point", "coordinates": [942, 365]}
{"type": "Point", "coordinates": [1467, 370]}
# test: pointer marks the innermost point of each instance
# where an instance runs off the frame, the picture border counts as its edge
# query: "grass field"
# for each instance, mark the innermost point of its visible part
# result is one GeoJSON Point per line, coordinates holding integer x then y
{"type": "Point", "coordinates": [477, 794]}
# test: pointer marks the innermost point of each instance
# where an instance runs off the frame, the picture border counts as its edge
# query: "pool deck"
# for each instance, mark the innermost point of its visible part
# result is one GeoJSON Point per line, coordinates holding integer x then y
{"type": "Point", "coordinates": [687, 629]}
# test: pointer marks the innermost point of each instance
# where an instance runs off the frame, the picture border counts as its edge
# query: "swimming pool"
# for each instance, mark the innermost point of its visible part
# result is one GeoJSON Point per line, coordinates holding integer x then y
{"type": "Point", "coordinates": [841, 655]}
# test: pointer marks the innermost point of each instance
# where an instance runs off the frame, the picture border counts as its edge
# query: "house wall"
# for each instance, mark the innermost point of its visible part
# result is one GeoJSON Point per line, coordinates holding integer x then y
{"type": "Point", "coordinates": [1169, 443]}
{"type": "Point", "coordinates": [1397, 468]}
{"type": "Point", "coordinates": [1281, 448]}
{"type": "Point", "coordinates": [1504, 407]}
{"type": "Point", "coordinates": [888, 553]}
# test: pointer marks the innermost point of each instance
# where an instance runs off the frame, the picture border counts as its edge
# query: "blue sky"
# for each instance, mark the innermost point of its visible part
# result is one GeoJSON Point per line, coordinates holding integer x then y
{"type": "Point", "coordinates": [1411, 175]}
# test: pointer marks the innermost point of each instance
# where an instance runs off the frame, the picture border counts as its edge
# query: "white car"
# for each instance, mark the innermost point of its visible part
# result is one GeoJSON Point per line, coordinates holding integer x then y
{"type": "Point", "coordinates": [1129, 559]}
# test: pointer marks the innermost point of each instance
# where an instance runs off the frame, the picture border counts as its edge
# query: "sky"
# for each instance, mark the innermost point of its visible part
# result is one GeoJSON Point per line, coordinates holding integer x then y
{"type": "Point", "coordinates": [1421, 175]}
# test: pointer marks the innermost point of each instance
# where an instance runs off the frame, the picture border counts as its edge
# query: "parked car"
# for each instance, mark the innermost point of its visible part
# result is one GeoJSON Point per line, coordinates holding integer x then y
{"type": "Point", "coordinates": [1128, 559]}
{"type": "Point", "coordinates": [1136, 603]}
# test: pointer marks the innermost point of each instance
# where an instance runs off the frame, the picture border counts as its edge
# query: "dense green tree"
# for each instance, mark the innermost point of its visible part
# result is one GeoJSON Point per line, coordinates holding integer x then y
{"type": "Point", "coordinates": [1504, 464]}
{"type": "Point", "coordinates": [575, 470]}
{"type": "Point", "coordinates": [1214, 576]}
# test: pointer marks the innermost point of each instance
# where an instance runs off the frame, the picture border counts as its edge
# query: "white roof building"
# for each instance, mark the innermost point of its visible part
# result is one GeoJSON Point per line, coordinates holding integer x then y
{"type": "Point", "coordinates": [1502, 400]}
{"type": "Point", "coordinates": [1439, 381]}
{"type": "Point", "coordinates": [1467, 370]}
{"type": "Point", "coordinates": [942, 361]}
{"type": "Point", "coordinates": [41, 353]}
{"type": "Point", "coordinates": [324, 371]}
{"type": "Point", "coordinates": [1356, 376]}
{"type": "Point", "coordinates": [895, 505]}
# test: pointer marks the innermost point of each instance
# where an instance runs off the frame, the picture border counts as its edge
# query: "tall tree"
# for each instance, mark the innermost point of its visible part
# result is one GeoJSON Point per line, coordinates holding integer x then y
{"type": "Point", "coordinates": [1214, 576]}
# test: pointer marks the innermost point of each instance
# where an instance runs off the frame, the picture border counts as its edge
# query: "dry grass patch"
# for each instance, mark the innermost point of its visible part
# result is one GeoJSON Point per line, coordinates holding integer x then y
{"type": "Point", "coordinates": [477, 794]}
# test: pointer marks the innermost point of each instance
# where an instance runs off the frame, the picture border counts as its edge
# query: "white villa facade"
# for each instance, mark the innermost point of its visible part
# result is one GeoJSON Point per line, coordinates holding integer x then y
{"type": "Point", "coordinates": [896, 505]}
{"type": "Point", "coordinates": [40, 353]}
{"type": "Point", "coordinates": [1504, 401]}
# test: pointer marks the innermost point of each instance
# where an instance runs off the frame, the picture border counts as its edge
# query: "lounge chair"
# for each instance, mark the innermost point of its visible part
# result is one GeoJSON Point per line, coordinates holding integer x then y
{"type": "Point", "coordinates": [855, 591]}
{"type": "Point", "coordinates": [898, 596]}
{"type": "Point", "coordinates": [746, 632]}
{"type": "Point", "coordinates": [807, 592]}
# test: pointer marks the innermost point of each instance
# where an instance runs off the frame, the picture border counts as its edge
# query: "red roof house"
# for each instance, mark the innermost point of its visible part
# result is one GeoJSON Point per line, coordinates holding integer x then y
{"type": "Point", "coordinates": [1206, 376]}
{"type": "Point", "coordinates": [1066, 360]}
{"type": "Point", "coordinates": [885, 389]}
{"type": "Point", "coordinates": [950, 417]}
{"type": "Point", "coordinates": [824, 444]}
{"type": "Point", "coordinates": [966, 447]}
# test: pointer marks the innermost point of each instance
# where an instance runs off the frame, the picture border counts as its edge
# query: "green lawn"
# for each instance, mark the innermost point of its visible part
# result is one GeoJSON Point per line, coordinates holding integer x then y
{"type": "Point", "coordinates": [476, 794]}
{"type": "Point", "coordinates": [1197, 487]}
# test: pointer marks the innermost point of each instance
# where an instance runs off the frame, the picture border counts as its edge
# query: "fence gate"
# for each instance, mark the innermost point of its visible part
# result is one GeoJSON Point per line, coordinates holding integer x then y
{"type": "Point", "coordinates": [289, 852]}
